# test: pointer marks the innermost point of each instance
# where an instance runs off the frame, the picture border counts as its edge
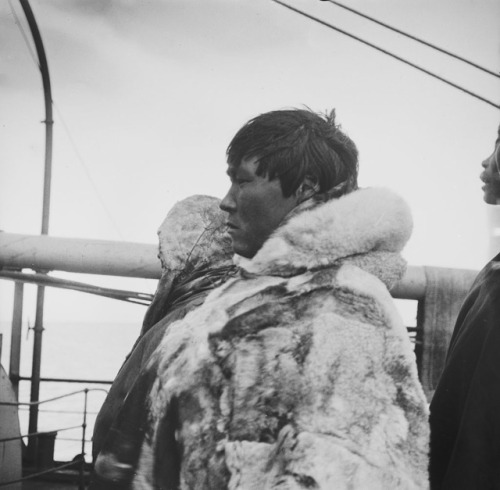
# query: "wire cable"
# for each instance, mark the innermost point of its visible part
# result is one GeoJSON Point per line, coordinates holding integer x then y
{"type": "Point", "coordinates": [86, 171]}
{"type": "Point", "coordinates": [448, 82]}
{"type": "Point", "coordinates": [25, 37]}
{"type": "Point", "coordinates": [414, 38]}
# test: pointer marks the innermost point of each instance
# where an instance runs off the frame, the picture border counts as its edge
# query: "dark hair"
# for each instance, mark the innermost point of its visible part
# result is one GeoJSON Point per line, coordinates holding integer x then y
{"type": "Point", "coordinates": [297, 144]}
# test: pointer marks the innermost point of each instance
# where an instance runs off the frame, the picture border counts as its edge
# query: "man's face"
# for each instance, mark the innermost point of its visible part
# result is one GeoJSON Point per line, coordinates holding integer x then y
{"type": "Point", "coordinates": [491, 176]}
{"type": "Point", "coordinates": [255, 207]}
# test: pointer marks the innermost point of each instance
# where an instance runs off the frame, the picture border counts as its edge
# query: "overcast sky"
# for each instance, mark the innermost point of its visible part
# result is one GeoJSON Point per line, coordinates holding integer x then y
{"type": "Point", "coordinates": [149, 93]}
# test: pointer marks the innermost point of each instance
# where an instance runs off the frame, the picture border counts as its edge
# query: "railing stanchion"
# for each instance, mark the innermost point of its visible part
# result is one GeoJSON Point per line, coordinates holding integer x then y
{"type": "Point", "coordinates": [35, 372]}
{"type": "Point", "coordinates": [15, 337]}
{"type": "Point", "coordinates": [84, 426]}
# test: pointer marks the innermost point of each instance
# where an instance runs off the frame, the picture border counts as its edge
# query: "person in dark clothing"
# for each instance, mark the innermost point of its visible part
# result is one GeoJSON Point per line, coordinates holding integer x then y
{"type": "Point", "coordinates": [196, 257]}
{"type": "Point", "coordinates": [465, 409]}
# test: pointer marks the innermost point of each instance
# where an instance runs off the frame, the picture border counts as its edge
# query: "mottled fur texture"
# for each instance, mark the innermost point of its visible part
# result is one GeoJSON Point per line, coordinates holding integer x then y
{"type": "Point", "coordinates": [298, 373]}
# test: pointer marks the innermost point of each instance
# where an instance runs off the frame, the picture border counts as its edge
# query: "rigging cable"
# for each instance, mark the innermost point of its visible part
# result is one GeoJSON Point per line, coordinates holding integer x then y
{"type": "Point", "coordinates": [414, 38]}
{"type": "Point", "coordinates": [387, 53]}
{"type": "Point", "coordinates": [86, 171]}
{"type": "Point", "coordinates": [25, 37]}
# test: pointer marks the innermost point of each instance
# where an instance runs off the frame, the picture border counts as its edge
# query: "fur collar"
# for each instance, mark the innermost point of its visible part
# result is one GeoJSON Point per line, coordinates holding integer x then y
{"type": "Point", "coordinates": [366, 227]}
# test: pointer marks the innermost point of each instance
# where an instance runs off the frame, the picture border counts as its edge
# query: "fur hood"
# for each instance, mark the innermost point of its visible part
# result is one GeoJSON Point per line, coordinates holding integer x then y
{"type": "Point", "coordinates": [194, 235]}
{"type": "Point", "coordinates": [368, 228]}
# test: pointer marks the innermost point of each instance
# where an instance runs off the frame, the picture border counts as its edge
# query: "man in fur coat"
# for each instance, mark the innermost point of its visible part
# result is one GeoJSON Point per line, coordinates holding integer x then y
{"type": "Point", "coordinates": [298, 371]}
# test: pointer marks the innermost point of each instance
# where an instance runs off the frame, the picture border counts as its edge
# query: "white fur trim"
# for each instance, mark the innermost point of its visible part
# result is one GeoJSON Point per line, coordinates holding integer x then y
{"type": "Point", "coordinates": [367, 220]}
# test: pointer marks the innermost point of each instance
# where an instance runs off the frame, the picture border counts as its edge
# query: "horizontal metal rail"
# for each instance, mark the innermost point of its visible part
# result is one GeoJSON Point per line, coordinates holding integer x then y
{"type": "Point", "coordinates": [40, 402]}
{"type": "Point", "coordinates": [57, 282]}
{"type": "Point", "coordinates": [412, 286]}
{"type": "Point", "coordinates": [72, 412]}
{"type": "Point", "coordinates": [42, 252]}
{"type": "Point", "coordinates": [69, 380]}
{"type": "Point", "coordinates": [73, 439]}
{"type": "Point", "coordinates": [32, 434]}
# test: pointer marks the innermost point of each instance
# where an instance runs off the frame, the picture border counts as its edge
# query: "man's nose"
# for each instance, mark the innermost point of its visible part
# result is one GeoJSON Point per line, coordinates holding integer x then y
{"type": "Point", "coordinates": [228, 203]}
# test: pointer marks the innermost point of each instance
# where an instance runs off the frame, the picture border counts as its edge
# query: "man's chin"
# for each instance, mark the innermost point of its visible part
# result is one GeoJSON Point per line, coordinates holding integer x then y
{"type": "Point", "coordinates": [492, 199]}
{"type": "Point", "coordinates": [242, 249]}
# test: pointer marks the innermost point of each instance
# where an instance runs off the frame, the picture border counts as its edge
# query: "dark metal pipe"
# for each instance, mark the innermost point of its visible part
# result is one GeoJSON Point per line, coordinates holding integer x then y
{"type": "Point", "coordinates": [70, 380]}
{"type": "Point", "coordinates": [37, 346]}
{"type": "Point", "coordinates": [15, 338]}
{"type": "Point", "coordinates": [81, 479]}
{"type": "Point", "coordinates": [81, 255]}
{"type": "Point", "coordinates": [36, 370]}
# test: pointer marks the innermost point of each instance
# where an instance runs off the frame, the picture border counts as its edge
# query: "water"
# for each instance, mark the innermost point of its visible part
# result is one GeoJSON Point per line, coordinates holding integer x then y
{"type": "Point", "coordinates": [91, 351]}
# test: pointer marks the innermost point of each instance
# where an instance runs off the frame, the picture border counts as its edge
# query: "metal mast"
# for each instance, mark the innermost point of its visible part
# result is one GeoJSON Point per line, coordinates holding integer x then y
{"type": "Point", "coordinates": [38, 329]}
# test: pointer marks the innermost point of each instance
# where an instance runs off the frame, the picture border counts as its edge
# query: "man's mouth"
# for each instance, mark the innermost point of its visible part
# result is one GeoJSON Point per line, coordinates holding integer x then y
{"type": "Point", "coordinates": [490, 185]}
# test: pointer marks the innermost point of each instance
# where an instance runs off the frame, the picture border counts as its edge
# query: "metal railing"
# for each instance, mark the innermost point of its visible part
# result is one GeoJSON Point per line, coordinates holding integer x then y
{"type": "Point", "coordinates": [78, 461]}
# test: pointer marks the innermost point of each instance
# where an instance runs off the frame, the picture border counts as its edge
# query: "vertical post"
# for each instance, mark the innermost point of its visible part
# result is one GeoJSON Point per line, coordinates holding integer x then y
{"type": "Point", "coordinates": [81, 485]}
{"type": "Point", "coordinates": [35, 373]}
{"type": "Point", "coordinates": [15, 338]}
{"type": "Point", "coordinates": [37, 346]}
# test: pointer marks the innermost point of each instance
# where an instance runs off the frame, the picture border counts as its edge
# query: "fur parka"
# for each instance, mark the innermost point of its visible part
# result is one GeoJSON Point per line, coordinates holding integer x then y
{"type": "Point", "coordinates": [296, 374]}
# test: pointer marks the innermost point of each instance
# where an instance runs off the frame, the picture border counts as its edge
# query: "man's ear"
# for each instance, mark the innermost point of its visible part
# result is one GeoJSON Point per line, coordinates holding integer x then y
{"type": "Point", "coordinates": [306, 190]}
